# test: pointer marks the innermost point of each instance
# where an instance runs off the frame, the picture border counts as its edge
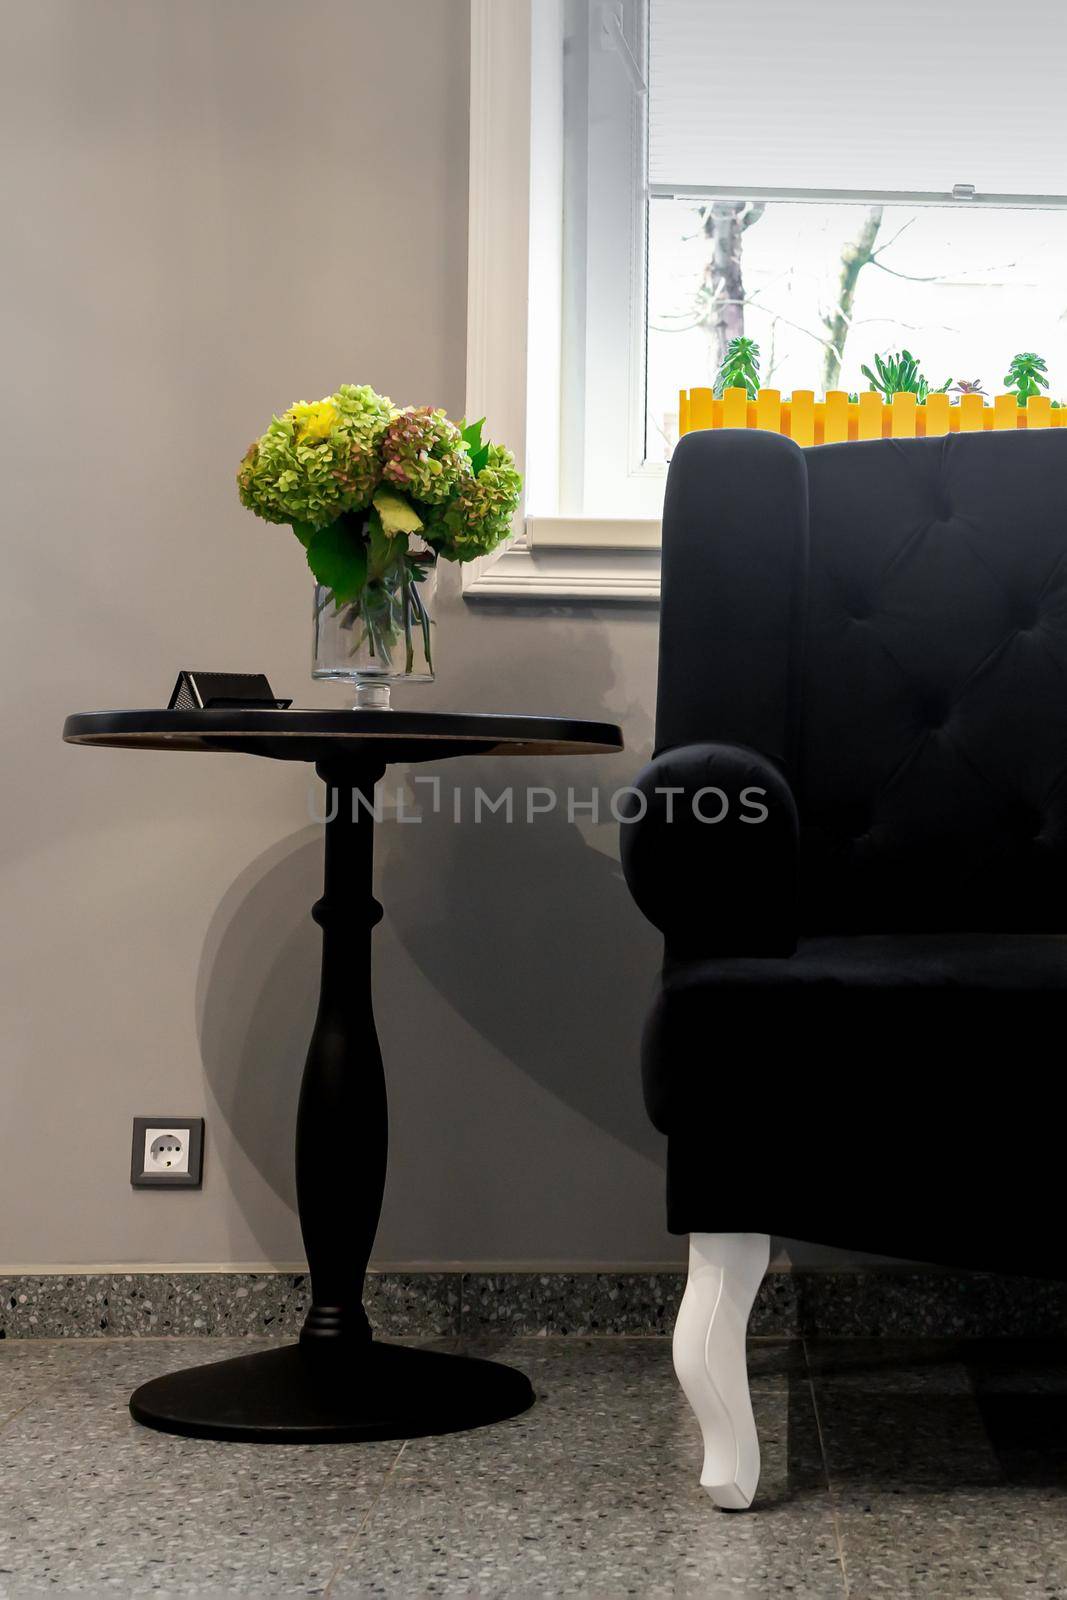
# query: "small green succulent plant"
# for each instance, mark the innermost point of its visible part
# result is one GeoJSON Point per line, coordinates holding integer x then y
{"type": "Point", "coordinates": [740, 369]}
{"type": "Point", "coordinates": [1025, 378]}
{"type": "Point", "coordinates": [899, 373]}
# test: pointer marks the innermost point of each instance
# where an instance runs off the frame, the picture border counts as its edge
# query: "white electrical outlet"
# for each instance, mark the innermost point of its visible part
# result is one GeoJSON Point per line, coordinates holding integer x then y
{"type": "Point", "coordinates": [166, 1150]}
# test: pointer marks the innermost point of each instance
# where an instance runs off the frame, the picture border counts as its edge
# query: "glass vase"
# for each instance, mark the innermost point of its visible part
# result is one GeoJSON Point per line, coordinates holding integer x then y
{"type": "Point", "coordinates": [384, 637]}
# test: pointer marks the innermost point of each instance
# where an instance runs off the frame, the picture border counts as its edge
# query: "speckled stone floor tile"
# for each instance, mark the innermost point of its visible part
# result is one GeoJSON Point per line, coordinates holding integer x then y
{"type": "Point", "coordinates": [29, 1368]}
{"type": "Point", "coordinates": [892, 1365]}
{"type": "Point", "coordinates": [955, 1544]}
{"type": "Point", "coordinates": [941, 1489]}
{"type": "Point", "coordinates": [595, 1491]}
{"type": "Point", "coordinates": [1018, 1366]}
{"type": "Point", "coordinates": [935, 1470]}
{"type": "Point", "coordinates": [93, 1503]}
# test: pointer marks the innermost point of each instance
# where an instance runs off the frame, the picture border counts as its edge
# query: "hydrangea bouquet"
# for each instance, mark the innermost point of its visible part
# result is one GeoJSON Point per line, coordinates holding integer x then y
{"type": "Point", "coordinates": [375, 494]}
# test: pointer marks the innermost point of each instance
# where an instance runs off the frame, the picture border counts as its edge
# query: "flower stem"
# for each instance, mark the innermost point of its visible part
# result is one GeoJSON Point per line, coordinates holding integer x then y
{"type": "Point", "coordinates": [405, 602]}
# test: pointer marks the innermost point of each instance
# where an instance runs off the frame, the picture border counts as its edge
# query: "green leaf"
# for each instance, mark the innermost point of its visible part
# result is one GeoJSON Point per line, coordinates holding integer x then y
{"type": "Point", "coordinates": [471, 434]}
{"type": "Point", "coordinates": [338, 558]}
{"type": "Point", "coordinates": [479, 458]}
{"type": "Point", "coordinates": [305, 532]}
{"type": "Point", "coordinates": [381, 552]}
{"type": "Point", "coordinates": [397, 514]}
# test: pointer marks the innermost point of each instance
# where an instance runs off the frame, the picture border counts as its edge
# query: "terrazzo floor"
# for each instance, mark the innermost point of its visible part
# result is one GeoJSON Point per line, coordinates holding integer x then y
{"type": "Point", "coordinates": [935, 1469]}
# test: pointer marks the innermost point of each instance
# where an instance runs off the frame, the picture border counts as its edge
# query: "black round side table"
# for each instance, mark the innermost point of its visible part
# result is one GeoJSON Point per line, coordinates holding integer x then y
{"type": "Point", "coordinates": [339, 1383]}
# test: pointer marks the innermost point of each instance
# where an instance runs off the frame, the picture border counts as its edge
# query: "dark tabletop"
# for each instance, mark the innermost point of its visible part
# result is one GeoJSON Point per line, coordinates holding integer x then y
{"type": "Point", "coordinates": [380, 736]}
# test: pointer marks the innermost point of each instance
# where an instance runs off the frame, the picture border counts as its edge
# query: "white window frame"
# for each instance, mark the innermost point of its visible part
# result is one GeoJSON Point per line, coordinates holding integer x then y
{"type": "Point", "coordinates": [604, 473]}
{"type": "Point", "coordinates": [514, 282]}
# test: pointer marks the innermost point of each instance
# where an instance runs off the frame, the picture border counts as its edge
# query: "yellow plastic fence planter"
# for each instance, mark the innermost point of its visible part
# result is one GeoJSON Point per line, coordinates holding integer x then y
{"type": "Point", "coordinates": [837, 418]}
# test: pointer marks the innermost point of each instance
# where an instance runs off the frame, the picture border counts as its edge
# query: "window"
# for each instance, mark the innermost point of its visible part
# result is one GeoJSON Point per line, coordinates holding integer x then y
{"type": "Point", "coordinates": [835, 181]}
{"type": "Point", "coordinates": [858, 182]}
{"type": "Point", "coordinates": [823, 285]}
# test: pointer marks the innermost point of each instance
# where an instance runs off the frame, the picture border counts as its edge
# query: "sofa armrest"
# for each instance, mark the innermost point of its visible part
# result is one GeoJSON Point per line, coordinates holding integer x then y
{"type": "Point", "coordinates": [709, 851]}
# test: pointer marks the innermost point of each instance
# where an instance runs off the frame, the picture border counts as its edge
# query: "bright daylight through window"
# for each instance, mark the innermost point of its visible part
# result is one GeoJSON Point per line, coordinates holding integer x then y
{"type": "Point", "coordinates": [853, 198]}
{"type": "Point", "coordinates": [823, 288]}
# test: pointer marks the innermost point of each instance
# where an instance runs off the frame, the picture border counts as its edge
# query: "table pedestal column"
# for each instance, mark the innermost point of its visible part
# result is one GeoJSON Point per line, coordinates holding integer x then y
{"type": "Point", "coordinates": [342, 1129]}
{"type": "Point", "coordinates": [338, 1383]}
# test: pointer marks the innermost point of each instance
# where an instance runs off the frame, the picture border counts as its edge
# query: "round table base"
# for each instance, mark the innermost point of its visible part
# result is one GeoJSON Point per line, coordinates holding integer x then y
{"type": "Point", "coordinates": [332, 1392]}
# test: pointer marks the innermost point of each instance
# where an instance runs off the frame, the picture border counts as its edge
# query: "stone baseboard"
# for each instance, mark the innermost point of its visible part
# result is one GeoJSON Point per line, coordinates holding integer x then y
{"type": "Point", "coordinates": [872, 1303]}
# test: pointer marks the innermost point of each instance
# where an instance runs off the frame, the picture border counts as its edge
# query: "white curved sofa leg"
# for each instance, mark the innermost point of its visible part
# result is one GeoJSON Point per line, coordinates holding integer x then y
{"type": "Point", "coordinates": [725, 1272]}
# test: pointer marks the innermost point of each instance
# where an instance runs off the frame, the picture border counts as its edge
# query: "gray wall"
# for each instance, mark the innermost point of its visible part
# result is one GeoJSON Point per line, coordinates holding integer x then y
{"type": "Point", "coordinates": [214, 208]}
{"type": "Point", "coordinates": [211, 209]}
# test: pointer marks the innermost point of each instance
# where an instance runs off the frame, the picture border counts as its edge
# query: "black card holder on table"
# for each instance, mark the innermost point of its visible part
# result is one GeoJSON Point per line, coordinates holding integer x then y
{"type": "Point", "coordinates": [204, 691]}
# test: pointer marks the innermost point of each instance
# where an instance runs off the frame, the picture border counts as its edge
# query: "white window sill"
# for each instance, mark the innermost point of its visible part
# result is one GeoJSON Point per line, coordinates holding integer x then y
{"type": "Point", "coordinates": [571, 558]}
{"type": "Point", "coordinates": [599, 533]}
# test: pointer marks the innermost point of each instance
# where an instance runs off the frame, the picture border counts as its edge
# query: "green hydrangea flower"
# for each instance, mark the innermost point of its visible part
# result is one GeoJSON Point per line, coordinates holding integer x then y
{"type": "Point", "coordinates": [357, 478]}
{"type": "Point", "coordinates": [423, 454]}
{"type": "Point", "coordinates": [317, 461]}
{"type": "Point", "coordinates": [479, 517]}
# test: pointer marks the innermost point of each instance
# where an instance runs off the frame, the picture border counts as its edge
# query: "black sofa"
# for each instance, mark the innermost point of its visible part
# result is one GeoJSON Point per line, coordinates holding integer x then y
{"type": "Point", "coordinates": [855, 1033]}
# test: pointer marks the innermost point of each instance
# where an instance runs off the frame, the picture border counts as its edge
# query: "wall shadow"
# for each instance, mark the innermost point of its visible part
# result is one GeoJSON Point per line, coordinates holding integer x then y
{"type": "Point", "coordinates": [530, 934]}
{"type": "Point", "coordinates": [528, 928]}
{"type": "Point", "coordinates": [256, 994]}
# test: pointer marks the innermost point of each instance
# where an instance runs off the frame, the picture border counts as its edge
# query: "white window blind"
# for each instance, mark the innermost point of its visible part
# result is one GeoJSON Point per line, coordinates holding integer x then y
{"type": "Point", "coordinates": [898, 95]}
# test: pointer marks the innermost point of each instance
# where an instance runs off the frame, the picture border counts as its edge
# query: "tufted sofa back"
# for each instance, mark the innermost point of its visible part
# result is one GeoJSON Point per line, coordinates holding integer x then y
{"type": "Point", "coordinates": [888, 621]}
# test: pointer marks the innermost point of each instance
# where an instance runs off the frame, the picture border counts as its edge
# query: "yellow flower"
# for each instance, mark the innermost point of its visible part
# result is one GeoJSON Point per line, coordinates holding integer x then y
{"type": "Point", "coordinates": [313, 422]}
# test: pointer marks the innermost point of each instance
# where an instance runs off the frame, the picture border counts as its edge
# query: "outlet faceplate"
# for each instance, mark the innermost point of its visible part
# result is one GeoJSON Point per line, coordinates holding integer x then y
{"type": "Point", "coordinates": [168, 1153]}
